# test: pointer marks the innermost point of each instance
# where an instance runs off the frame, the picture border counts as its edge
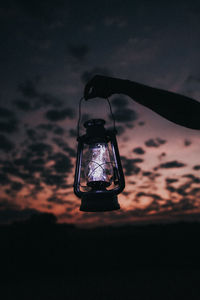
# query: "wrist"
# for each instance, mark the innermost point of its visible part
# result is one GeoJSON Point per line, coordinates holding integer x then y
{"type": "Point", "coordinates": [119, 86]}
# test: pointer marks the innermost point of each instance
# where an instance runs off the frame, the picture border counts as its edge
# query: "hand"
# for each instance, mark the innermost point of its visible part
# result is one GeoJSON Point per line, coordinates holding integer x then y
{"type": "Point", "coordinates": [99, 86]}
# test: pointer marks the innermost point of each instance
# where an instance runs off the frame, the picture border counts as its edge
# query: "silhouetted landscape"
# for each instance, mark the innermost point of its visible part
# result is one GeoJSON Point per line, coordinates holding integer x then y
{"type": "Point", "coordinates": [46, 260]}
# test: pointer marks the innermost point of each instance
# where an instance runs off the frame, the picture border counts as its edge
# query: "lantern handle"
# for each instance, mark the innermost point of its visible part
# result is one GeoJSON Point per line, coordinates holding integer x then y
{"type": "Point", "coordinates": [79, 116]}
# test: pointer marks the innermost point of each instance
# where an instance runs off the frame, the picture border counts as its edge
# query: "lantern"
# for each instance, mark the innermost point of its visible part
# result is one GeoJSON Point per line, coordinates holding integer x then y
{"type": "Point", "coordinates": [99, 176]}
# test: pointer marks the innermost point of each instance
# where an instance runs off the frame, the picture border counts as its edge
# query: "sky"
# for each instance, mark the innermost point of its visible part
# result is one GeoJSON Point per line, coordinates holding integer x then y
{"type": "Point", "coordinates": [49, 51]}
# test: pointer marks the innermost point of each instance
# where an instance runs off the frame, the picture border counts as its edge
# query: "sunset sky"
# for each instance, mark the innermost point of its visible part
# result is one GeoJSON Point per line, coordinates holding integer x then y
{"type": "Point", "coordinates": [49, 50]}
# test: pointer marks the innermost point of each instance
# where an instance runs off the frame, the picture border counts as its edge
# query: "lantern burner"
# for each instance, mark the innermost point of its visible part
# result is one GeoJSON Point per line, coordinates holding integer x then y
{"type": "Point", "coordinates": [98, 185]}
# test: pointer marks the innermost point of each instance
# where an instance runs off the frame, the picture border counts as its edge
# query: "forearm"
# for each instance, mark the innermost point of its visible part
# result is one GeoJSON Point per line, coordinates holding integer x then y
{"type": "Point", "coordinates": [174, 107]}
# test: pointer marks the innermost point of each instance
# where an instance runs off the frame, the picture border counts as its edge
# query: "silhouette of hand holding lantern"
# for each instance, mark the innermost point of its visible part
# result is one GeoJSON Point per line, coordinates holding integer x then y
{"type": "Point", "coordinates": [99, 176]}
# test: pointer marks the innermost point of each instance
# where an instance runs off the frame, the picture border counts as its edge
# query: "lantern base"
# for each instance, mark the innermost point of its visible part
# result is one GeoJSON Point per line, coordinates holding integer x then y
{"type": "Point", "coordinates": [99, 202]}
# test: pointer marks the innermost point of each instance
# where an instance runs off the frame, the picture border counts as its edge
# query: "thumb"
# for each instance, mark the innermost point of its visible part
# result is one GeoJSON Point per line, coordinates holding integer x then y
{"type": "Point", "coordinates": [89, 92]}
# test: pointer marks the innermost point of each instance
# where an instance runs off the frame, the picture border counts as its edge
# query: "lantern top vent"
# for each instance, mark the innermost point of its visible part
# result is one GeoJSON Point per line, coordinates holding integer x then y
{"type": "Point", "coordinates": [94, 122]}
{"type": "Point", "coordinates": [95, 130]}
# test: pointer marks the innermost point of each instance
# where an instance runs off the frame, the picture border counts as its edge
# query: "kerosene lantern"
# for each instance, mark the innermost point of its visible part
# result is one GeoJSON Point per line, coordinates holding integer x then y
{"type": "Point", "coordinates": [99, 175]}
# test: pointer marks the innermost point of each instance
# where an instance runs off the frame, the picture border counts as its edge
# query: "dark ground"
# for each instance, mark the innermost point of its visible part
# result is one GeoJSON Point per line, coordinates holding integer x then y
{"type": "Point", "coordinates": [44, 260]}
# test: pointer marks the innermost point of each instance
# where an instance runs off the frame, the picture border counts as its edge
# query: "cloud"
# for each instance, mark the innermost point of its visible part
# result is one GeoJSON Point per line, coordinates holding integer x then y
{"type": "Point", "coordinates": [155, 142]}
{"type": "Point", "coordinates": [153, 196]}
{"type": "Point", "coordinates": [116, 21]}
{"type": "Point", "coordinates": [125, 115]}
{"type": "Point", "coordinates": [192, 177]}
{"type": "Point", "coordinates": [5, 113]}
{"type": "Point", "coordinates": [22, 105]}
{"type": "Point", "coordinates": [172, 164]}
{"type": "Point", "coordinates": [55, 199]}
{"type": "Point", "coordinates": [9, 126]}
{"type": "Point", "coordinates": [184, 204]}
{"type": "Point", "coordinates": [64, 146]}
{"type": "Point", "coordinates": [129, 166]}
{"type": "Point", "coordinates": [78, 52]}
{"type": "Point", "coordinates": [16, 186]}
{"type": "Point", "coordinates": [187, 142]}
{"type": "Point", "coordinates": [43, 11]}
{"type": "Point", "coordinates": [87, 75]}
{"type": "Point", "coordinates": [196, 168]}
{"type": "Point", "coordinates": [72, 133]}
{"type": "Point", "coordinates": [40, 149]}
{"type": "Point", "coordinates": [139, 150]}
{"type": "Point", "coordinates": [60, 115]}
{"type": "Point", "coordinates": [119, 102]}
{"type": "Point", "coordinates": [33, 98]}
{"type": "Point", "coordinates": [28, 89]}
{"type": "Point", "coordinates": [53, 179]}
{"type": "Point", "coordinates": [5, 144]}
{"type": "Point", "coordinates": [171, 180]}
{"type": "Point", "coordinates": [49, 127]}
{"type": "Point", "coordinates": [4, 180]}
{"type": "Point", "coordinates": [62, 163]}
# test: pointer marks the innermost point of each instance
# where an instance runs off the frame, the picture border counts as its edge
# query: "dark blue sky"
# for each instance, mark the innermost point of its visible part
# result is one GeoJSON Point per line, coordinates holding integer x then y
{"type": "Point", "coordinates": [48, 52]}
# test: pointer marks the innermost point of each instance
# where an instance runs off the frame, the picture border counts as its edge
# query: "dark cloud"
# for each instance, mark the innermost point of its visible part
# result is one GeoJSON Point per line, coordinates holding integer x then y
{"type": "Point", "coordinates": [195, 192]}
{"type": "Point", "coordinates": [10, 169]}
{"type": "Point", "coordinates": [51, 127]}
{"type": "Point", "coordinates": [44, 11]}
{"type": "Point", "coordinates": [162, 155]}
{"type": "Point", "coordinates": [55, 199]}
{"type": "Point", "coordinates": [62, 163]}
{"type": "Point", "coordinates": [172, 164]}
{"type": "Point", "coordinates": [141, 123]}
{"type": "Point", "coordinates": [34, 136]}
{"type": "Point", "coordinates": [58, 130]}
{"type": "Point", "coordinates": [192, 177]}
{"type": "Point", "coordinates": [187, 142]}
{"type": "Point", "coordinates": [5, 113]}
{"type": "Point", "coordinates": [183, 205]}
{"type": "Point", "coordinates": [72, 133]}
{"type": "Point", "coordinates": [120, 129]}
{"type": "Point", "coordinates": [137, 160]}
{"type": "Point", "coordinates": [22, 105]}
{"type": "Point", "coordinates": [139, 150]}
{"type": "Point", "coordinates": [47, 127]}
{"type": "Point", "coordinates": [5, 144]}
{"type": "Point", "coordinates": [125, 115]}
{"type": "Point", "coordinates": [119, 102]}
{"type": "Point", "coordinates": [130, 166]}
{"type": "Point", "coordinates": [153, 196]}
{"type": "Point", "coordinates": [40, 149]}
{"type": "Point", "coordinates": [16, 186]}
{"type": "Point", "coordinates": [155, 142]}
{"type": "Point", "coordinates": [60, 115]}
{"type": "Point", "coordinates": [171, 180]}
{"type": "Point", "coordinates": [78, 52]}
{"type": "Point", "coordinates": [28, 89]}
{"type": "Point", "coordinates": [64, 146]}
{"type": "Point", "coordinates": [196, 168]}
{"type": "Point", "coordinates": [46, 99]}
{"type": "Point", "coordinates": [147, 173]}
{"type": "Point", "coordinates": [53, 179]}
{"type": "Point", "coordinates": [151, 175]}
{"type": "Point", "coordinates": [87, 75]}
{"type": "Point", "coordinates": [9, 126]}
{"type": "Point", "coordinates": [4, 180]}
{"type": "Point", "coordinates": [34, 99]}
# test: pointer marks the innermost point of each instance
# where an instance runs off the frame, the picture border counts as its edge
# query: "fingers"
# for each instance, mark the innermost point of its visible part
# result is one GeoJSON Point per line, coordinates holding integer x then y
{"type": "Point", "coordinates": [89, 92]}
{"type": "Point", "coordinates": [97, 87]}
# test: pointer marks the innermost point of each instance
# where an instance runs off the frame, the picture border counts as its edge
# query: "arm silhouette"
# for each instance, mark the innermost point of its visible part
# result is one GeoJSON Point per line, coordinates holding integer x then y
{"type": "Point", "coordinates": [174, 107]}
